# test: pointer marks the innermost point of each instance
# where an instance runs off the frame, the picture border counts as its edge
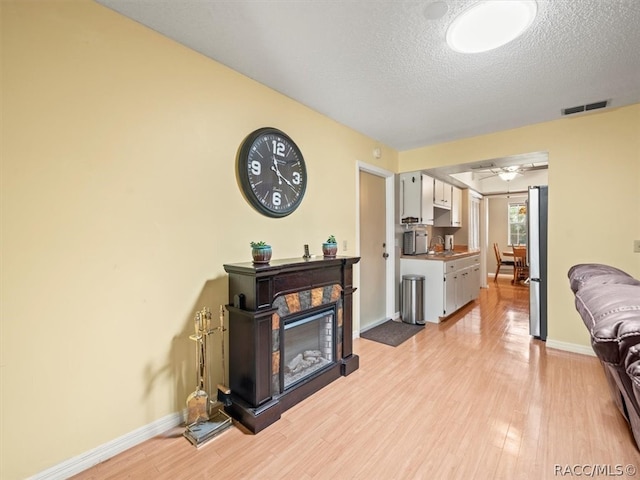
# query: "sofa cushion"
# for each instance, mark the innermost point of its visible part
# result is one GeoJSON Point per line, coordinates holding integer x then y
{"type": "Point", "coordinates": [581, 274]}
{"type": "Point", "coordinates": [612, 314]}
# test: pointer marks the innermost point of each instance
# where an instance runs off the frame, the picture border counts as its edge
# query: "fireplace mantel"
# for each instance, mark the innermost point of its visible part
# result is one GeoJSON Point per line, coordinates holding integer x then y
{"type": "Point", "coordinates": [261, 297]}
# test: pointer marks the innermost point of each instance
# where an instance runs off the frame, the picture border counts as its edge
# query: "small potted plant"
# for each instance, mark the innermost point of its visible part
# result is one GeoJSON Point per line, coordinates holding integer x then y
{"type": "Point", "coordinates": [261, 252]}
{"type": "Point", "coordinates": [330, 247]}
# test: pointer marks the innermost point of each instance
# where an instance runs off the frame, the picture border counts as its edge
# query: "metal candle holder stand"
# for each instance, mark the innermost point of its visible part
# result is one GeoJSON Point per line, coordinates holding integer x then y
{"type": "Point", "coordinates": [203, 427]}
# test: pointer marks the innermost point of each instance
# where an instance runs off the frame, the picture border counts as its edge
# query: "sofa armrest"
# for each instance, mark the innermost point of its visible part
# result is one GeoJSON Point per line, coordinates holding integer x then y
{"type": "Point", "coordinates": [586, 273]}
{"type": "Point", "coordinates": [611, 312]}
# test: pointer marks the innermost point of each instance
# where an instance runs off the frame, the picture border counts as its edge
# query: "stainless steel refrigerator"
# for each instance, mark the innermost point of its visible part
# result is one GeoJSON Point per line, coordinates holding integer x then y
{"type": "Point", "coordinates": [537, 253]}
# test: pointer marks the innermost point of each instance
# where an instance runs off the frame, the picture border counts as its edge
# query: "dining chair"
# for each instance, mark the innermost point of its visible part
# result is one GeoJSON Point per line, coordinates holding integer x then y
{"type": "Point", "coordinates": [520, 267]}
{"type": "Point", "coordinates": [500, 261]}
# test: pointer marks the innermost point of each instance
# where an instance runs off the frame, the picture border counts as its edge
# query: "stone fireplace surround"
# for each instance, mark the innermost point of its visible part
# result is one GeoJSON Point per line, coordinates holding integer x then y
{"type": "Point", "coordinates": [262, 299]}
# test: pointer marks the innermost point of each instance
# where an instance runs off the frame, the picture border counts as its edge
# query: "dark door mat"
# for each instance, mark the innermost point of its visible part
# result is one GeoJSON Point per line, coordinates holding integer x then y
{"type": "Point", "coordinates": [392, 333]}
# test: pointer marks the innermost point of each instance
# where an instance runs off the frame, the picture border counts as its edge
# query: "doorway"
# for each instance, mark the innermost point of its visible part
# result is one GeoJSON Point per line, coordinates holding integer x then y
{"type": "Point", "coordinates": [375, 245]}
{"type": "Point", "coordinates": [484, 177]}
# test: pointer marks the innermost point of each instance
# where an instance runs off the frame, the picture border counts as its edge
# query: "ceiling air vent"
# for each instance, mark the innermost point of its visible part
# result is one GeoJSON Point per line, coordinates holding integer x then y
{"type": "Point", "coordinates": [596, 105]}
{"type": "Point", "coordinates": [585, 108]}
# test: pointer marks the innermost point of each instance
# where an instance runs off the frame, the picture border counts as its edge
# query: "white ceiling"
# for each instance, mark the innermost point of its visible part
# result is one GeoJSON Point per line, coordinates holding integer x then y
{"type": "Point", "coordinates": [382, 67]}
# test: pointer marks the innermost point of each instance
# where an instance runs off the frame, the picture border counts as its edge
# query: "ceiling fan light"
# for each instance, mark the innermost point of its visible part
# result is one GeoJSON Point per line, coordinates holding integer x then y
{"type": "Point", "coordinates": [490, 24]}
{"type": "Point", "coordinates": [508, 176]}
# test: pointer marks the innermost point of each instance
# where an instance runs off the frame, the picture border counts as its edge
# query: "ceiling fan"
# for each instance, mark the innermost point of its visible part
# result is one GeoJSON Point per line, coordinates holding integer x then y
{"type": "Point", "coordinates": [508, 173]}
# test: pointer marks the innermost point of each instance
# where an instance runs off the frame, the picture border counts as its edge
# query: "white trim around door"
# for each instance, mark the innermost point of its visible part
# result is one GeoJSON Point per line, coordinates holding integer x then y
{"type": "Point", "coordinates": [389, 235]}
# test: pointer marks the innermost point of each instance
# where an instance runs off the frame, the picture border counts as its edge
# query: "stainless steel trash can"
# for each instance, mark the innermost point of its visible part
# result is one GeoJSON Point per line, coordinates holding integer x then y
{"type": "Point", "coordinates": [412, 309]}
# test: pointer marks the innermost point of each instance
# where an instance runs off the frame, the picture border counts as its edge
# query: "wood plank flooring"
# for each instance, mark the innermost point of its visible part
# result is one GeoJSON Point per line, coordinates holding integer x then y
{"type": "Point", "coordinates": [474, 397]}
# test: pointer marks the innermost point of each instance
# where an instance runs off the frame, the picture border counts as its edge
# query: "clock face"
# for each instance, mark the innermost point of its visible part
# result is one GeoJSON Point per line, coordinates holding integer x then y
{"type": "Point", "coordinates": [271, 171]}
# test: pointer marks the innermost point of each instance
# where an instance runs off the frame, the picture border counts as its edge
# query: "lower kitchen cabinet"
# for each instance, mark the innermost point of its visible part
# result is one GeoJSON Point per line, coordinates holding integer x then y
{"type": "Point", "coordinates": [452, 292]}
{"type": "Point", "coordinates": [449, 283]}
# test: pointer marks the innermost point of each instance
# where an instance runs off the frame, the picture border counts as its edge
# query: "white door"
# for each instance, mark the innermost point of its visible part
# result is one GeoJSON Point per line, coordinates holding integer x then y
{"type": "Point", "coordinates": [372, 250]}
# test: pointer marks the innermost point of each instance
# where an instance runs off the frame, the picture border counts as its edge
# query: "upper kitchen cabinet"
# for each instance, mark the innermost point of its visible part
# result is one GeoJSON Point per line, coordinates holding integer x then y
{"type": "Point", "coordinates": [427, 200]}
{"type": "Point", "coordinates": [450, 216]}
{"type": "Point", "coordinates": [441, 194]}
{"type": "Point", "coordinates": [456, 207]}
{"type": "Point", "coordinates": [416, 198]}
{"type": "Point", "coordinates": [411, 197]}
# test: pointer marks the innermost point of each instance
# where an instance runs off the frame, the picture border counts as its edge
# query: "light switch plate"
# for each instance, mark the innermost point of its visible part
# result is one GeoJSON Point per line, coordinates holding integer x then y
{"type": "Point", "coordinates": [636, 246]}
{"type": "Point", "coordinates": [344, 245]}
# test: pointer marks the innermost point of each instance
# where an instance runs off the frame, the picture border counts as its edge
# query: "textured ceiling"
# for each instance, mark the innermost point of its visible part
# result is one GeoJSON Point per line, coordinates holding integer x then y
{"type": "Point", "coordinates": [383, 67]}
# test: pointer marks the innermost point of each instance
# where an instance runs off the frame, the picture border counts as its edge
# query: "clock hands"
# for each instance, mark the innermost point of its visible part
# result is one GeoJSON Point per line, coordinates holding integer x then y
{"type": "Point", "coordinates": [275, 168]}
{"type": "Point", "coordinates": [278, 174]}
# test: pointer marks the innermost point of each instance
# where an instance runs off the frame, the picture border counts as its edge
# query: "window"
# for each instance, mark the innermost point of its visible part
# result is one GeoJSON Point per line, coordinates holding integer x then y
{"type": "Point", "coordinates": [517, 224]}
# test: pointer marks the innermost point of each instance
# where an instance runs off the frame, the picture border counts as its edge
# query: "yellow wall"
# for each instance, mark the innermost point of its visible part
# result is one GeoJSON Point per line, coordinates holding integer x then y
{"type": "Point", "coordinates": [119, 208]}
{"type": "Point", "coordinates": [594, 195]}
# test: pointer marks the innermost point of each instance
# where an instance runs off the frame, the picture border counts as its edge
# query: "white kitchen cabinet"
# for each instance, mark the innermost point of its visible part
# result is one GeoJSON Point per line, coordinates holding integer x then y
{"type": "Point", "coordinates": [427, 200]}
{"type": "Point", "coordinates": [452, 216]}
{"type": "Point", "coordinates": [410, 197]}
{"type": "Point", "coordinates": [416, 198]}
{"type": "Point", "coordinates": [449, 284]}
{"type": "Point", "coordinates": [458, 290]}
{"type": "Point", "coordinates": [442, 194]}
{"type": "Point", "coordinates": [420, 193]}
{"type": "Point", "coordinates": [464, 296]}
{"type": "Point", "coordinates": [456, 207]}
{"type": "Point", "coordinates": [475, 281]}
{"type": "Point", "coordinates": [451, 288]}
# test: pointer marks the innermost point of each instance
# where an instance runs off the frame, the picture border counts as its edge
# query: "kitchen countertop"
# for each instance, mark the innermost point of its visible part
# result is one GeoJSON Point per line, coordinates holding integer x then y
{"type": "Point", "coordinates": [443, 256]}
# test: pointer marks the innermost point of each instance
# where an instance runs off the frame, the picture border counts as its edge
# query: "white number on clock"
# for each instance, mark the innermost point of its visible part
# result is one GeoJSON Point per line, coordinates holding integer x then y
{"type": "Point", "coordinates": [278, 148]}
{"type": "Point", "coordinates": [256, 167]}
{"type": "Point", "coordinates": [277, 200]}
{"type": "Point", "coordinates": [296, 178]}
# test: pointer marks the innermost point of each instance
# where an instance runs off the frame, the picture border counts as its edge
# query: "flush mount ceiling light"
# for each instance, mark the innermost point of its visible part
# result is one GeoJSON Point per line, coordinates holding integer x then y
{"type": "Point", "coordinates": [490, 24]}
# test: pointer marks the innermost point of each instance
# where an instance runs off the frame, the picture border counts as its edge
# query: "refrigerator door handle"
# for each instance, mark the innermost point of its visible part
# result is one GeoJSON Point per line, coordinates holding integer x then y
{"type": "Point", "coordinates": [534, 280]}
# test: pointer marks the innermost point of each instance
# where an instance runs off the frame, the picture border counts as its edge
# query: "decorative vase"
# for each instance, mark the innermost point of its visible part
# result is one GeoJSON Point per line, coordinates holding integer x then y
{"type": "Point", "coordinates": [329, 249]}
{"type": "Point", "coordinates": [261, 255]}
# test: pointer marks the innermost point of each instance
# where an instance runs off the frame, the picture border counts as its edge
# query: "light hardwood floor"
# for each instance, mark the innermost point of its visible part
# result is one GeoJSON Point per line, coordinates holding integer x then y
{"type": "Point", "coordinates": [474, 397]}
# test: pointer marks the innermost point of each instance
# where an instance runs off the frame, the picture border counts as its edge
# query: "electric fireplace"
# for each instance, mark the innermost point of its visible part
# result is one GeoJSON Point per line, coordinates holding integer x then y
{"type": "Point", "coordinates": [290, 333]}
{"type": "Point", "coordinates": [309, 345]}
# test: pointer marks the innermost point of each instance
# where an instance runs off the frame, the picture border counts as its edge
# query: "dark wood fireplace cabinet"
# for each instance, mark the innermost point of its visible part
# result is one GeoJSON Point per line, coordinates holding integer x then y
{"type": "Point", "coordinates": [290, 333]}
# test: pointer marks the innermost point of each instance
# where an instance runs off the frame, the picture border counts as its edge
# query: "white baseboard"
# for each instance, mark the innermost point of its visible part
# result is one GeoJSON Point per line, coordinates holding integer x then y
{"type": "Point", "coordinates": [99, 454]}
{"type": "Point", "coordinates": [570, 347]}
{"type": "Point", "coordinates": [380, 322]}
{"type": "Point", "coordinates": [394, 316]}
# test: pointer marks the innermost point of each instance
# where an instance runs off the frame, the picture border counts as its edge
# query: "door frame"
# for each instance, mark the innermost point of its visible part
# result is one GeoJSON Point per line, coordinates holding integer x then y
{"type": "Point", "coordinates": [389, 239]}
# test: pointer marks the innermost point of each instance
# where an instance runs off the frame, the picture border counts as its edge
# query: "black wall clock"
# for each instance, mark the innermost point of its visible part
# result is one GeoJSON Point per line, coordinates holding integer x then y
{"type": "Point", "coordinates": [271, 172]}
